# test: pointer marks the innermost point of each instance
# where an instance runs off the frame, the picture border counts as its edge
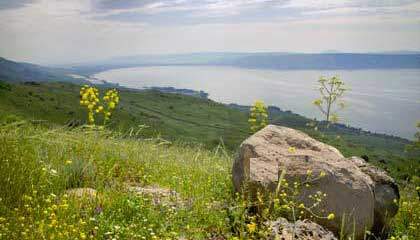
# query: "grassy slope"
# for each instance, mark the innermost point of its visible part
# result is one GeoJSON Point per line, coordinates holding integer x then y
{"type": "Point", "coordinates": [39, 161]}
{"type": "Point", "coordinates": [39, 164]}
{"type": "Point", "coordinates": [189, 119]}
{"type": "Point", "coordinates": [173, 116]}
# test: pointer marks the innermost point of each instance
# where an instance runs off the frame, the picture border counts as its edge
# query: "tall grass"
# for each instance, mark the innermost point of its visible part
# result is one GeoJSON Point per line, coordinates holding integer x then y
{"type": "Point", "coordinates": [38, 165]}
{"type": "Point", "coordinates": [406, 224]}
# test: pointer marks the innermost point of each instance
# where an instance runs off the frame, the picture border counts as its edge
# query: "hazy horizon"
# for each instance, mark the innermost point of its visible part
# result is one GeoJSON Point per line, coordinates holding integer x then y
{"type": "Point", "coordinates": [62, 32]}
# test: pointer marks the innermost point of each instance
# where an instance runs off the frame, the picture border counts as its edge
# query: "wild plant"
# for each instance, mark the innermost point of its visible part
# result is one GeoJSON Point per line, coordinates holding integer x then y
{"type": "Point", "coordinates": [78, 173]}
{"type": "Point", "coordinates": [332, 91]}
{"type": "Point", "coordinates": [111, 99]}
{"type": "Point", "coordinates": [406, 223]}
{"type": "Point", "coordinates": [89, 97]}
{"type": "Point", "coordinates": [284, 201]}
{"type": "Point", "coordinates": [258, 116]}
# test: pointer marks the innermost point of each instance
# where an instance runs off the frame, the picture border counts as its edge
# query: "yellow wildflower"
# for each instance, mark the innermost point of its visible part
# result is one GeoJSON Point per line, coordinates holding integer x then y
{"type": "Point", "coordinates": [292, 150]}
{"type": "Point", "coordinates": [251, 227]}
{"type": "Point", "coordinates": [82, 235]}
{"type": "Point", "coordinates": [331, 216]}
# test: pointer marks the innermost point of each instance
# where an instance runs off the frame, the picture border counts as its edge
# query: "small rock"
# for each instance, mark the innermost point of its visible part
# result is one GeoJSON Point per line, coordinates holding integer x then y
{"type": "Point", "coordinates": [301, 230]}
{"type": "Point", "coordinates": [160, 196]}
{"type": "Point", "coordinates": [82, 193]}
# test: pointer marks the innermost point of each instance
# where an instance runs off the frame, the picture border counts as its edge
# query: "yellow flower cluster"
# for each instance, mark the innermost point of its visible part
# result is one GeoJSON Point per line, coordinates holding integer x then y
{"type": "Point", "coordinates": [46, 217]}
{"type": "Point", "coordinates": [89, 97]}
{"type": "Point", "coordinates": [258, 117]}
{"type": "Point", "coordinates": [112, 99]}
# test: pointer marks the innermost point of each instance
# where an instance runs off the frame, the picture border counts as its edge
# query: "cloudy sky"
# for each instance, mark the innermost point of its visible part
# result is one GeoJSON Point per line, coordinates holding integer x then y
{"type": "Point", "coordinates": [66, 31]}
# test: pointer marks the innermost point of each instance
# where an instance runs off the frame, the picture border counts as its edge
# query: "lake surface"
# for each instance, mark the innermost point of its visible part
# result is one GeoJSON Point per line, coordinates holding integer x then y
{"type": "Point", "coordinates": [383, 101]}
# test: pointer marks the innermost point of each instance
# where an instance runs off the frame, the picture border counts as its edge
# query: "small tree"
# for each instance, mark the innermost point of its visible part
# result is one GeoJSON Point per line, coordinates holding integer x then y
{"type": "Point", "coordinates": [331, 91]}
{"type": "Point", "coordinates": [258, 117]}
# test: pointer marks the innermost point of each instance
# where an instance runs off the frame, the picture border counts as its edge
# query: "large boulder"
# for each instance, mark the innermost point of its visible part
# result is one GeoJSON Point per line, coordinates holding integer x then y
{"type": "Point", "coordinates": [386, 194]}
{"type": "Point", "coordinates": [301, 229]}
{"type": "Point", "coordinates": [348, 190]}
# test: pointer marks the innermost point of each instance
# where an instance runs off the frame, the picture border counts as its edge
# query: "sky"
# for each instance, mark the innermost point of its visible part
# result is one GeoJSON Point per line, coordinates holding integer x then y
{"type": "Point", "coordinates": [73, 31]}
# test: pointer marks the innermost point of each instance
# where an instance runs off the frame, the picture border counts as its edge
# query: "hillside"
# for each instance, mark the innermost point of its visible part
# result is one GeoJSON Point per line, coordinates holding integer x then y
{"type": "Point", "coordinates": [21, 72]}
{"type": "Point", "coordinates": [347, 61]}
{"type": "Point", "coordinates": [195, 120]}
{"type": "Point", "coordinates": [42, 166]}
{"type": "Point", "coordinates": [172, 116]}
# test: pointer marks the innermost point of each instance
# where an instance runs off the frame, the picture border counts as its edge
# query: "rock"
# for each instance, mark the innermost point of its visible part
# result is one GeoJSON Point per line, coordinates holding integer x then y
{"type": "Point", "coordinates": [301, 230]}
{"type": "Point", "coordinates": [348, 190]}
{"type": "Point", "coordinates": [385, 191]}
{"type": "Point", "coordinates": [82, 193]}
{"type": "Point", "coordinates": [160, 196]}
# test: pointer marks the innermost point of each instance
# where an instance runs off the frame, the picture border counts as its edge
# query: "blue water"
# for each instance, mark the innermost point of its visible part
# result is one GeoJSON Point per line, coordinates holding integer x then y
{"type": "Point", "coordinates": [383, 101]}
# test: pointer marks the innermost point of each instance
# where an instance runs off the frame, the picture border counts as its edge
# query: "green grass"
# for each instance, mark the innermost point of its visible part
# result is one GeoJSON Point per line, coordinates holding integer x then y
{"type": "Point", "coordinates": [172, 116]}
{"type": "Point", "coordinates": [39, 164]}
{"type": "Point", "coordinates": [406, 223]}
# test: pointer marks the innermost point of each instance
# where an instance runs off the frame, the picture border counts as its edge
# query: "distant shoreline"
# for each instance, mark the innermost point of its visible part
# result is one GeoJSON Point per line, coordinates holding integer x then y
{"type": "Point", "coordinates": [244, 108]}
{"type": "Point", "coordinates": [268, 60]}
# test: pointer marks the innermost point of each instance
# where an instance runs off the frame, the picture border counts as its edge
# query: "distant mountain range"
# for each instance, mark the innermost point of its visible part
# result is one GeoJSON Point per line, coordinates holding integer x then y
{"type": "Point", "coordinates": [17, 71]}
{"type": "Point", "coordinates": [274, 60]}
{"type": "Point", "coordinates": [23, 72]}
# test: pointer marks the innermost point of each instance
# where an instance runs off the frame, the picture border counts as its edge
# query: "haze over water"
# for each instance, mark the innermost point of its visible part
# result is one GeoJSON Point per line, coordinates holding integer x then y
{"type": "Point", "coordinates": [383, 101]}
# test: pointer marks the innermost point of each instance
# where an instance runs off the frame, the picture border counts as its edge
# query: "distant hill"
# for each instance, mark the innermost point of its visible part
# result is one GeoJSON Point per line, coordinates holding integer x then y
{"type": "Point", "coordinates": [330, 61]}
{"type": "Point", "coordinates": [23, 72]}
{"type": "Point", "coordinates": [269, 60]}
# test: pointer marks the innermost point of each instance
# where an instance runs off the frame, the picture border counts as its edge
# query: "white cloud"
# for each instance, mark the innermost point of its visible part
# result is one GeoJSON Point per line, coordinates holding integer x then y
{"type": "Point", "coordinates": [59, 31]}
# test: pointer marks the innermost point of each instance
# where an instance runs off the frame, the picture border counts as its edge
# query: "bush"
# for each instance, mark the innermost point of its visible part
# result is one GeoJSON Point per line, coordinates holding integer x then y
{"type": "Point", "coordinates": [5, 86]}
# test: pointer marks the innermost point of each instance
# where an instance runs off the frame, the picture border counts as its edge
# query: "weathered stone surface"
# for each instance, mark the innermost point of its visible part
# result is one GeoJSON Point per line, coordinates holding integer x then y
{"type": "Point", "coordinates": [82, 193]}
{"type": "Point", "coordinates": [348, 190]}
{"type": "Point", "coordinates": [385, 191]}
{"type": "Point", "coordinates": [160, 196]}
{"type": "Point", "coordinates": [300, 230]}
